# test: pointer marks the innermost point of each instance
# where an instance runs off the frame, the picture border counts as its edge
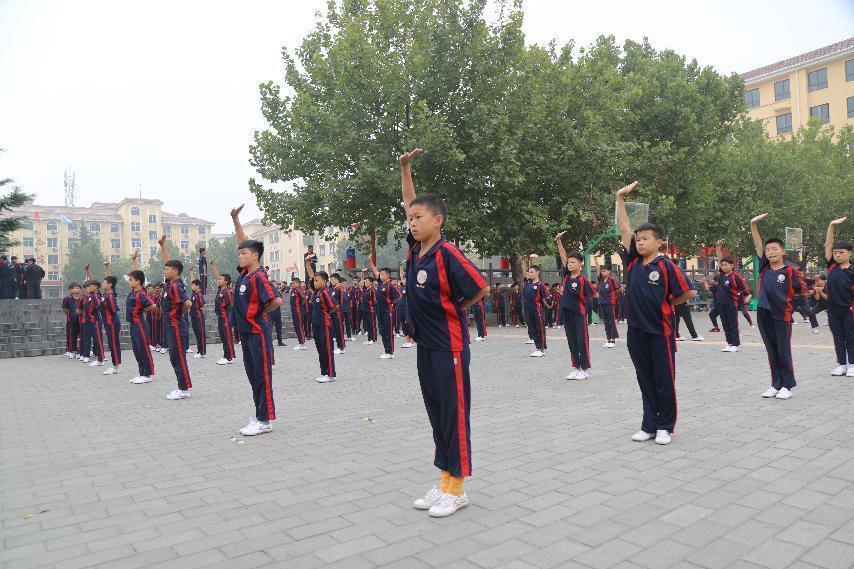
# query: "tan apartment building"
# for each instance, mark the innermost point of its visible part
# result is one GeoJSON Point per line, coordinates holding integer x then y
{"type": "Point", "coordinates": [786, 94]}
{"type": "Point", "coordinates": [50, 232]}
{"type": "Point", "coordinates": [284, 250]}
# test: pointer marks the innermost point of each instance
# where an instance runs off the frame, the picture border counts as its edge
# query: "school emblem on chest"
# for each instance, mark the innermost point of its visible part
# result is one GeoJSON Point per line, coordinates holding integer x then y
{"type": "Point", "coordinates": [242, 288]}
{"type": "Point", "coordinates": [422, 276]}
{"type": "Point", "coordinates": [726, 283]}
{"type": "Point", "coordinates": [654, 276]}
{"type": "Point", "coordinates": [165, 295]}
{"type": "Point", "coordinates": [781, 278]}
{"type": "Point", "coordinates": [574, 285]}
{"type": "Point", "coordinates": [607, 286]}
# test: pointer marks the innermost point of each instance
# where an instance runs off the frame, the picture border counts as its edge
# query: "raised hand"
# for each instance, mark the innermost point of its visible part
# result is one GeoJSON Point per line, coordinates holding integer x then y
{"type": "Point", "coordinates": [135, 255]}
{"type": "Point", "coordinates": [559, 235]}
{"type": "Point", "coordinates": [86, 268]}
{"type": "Point", "coordinates": [719, 242]}
{"type": "Point", "coordinates": [407, 157]}
{"type": "Point", "coordinates": [624, 191]}
{"type": "Point", "coordinates": [838, 221]}
{"type": "Point", "coordinates": [106, 262]}
{"type": "Point", "coordinates": [235, 211]}
{"type": "Point", "coordinates": [758, 218]}
{"type": "Point", "coordinates": [162, 240]}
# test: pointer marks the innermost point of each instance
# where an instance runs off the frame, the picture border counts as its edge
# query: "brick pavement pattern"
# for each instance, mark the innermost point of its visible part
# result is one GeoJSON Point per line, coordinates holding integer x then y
{"type": "Point", "coordinates": [96, 472]}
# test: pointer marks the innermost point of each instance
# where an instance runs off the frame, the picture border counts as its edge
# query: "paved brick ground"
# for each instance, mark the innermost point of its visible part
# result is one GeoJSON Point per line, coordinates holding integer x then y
{"type": "Point", "coordinates": [95, 472]}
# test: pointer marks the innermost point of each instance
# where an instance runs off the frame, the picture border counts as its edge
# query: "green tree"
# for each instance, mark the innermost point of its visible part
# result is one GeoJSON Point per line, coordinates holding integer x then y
{"type": "Point", "coordinates": [8, 201]}
{"type": "Point", "coordinates": [88, 252]}
{"type": "Point", "coordinates": [225, 254]}
{"type": "Point", "coordinates": [154, 270]}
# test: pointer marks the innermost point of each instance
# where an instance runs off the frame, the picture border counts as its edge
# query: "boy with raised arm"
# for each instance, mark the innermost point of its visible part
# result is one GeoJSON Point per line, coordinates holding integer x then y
{"type": "Point", "coordinates": [577, 290]}
{"type": "Point", "coordinates": [655, 284]}
{"type": "Point", "coordinates": [443, 283]}
{"type": "Point", "coordinates": [609, 291]}
{"type": "Point", "coordinates": [112, 320]}
{"type": "Point", "coordinates": [297, 296]}
{"type": "Point", "coordinates": [254, 297]}
{"type": "Point", "coordinates": [728, 298]}
{"type": "Point", "coordinates": [137, 305]}
{"type": "Point", "coordinates": [387, 296]}
{"type": "Point", "coordinates": [222, 308]}
{"type": "Point", "coordinates": [321, 322]}
{"type": "Point", "coordinates": [174, 305]}
{"type": "Point", "coordinates": [778, 283]}
{"type": "Point", "coordinates": [840, 298]}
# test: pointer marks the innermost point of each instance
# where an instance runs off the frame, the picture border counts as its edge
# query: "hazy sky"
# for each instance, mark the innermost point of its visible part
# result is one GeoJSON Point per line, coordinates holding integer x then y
{"type": "Point", "coordinates": [163, 96]}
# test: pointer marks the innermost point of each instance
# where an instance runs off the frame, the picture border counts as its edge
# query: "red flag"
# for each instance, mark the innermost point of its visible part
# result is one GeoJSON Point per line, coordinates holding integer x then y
{"type": "Point", "coordinates": [36, 215]}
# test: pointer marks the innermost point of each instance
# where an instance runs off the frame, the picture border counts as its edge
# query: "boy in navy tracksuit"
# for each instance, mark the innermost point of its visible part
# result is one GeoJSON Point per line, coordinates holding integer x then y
{"type": "Point", "coordinates": [298, 312]}
{"type": "Point", "coordinates": [112, 323]}
{"type": "Point", "coordinates": [840, 298]}
{"type": "Point", "coordinates": [728, 297]}
{"type": "Point", "coordinates": [777, 286]}
{"type": "Point", "coordinates": [346, 306]}
{"type": "Point", "coordinates": [203, 271]}
{"type": "Point", "coordinates": [387, 294]}
{"type": "Point", "coordinates": [90, 324]}
{"type": "Point", "coordinates": [72, 320]}
{"type": "Point", "coordinates": [337, 316]}
{"type": "Point", "coordinates": [577, 290]}
{"type": "Point", "coordinates": [175, 304]}
{"type": "Point", "coordinates": [443, 284]}
{"type": "Point", "coordinates": [322, 325]}
{"type": "Point", "coordinates": [368, 306]}
{"type": "Point", "coordinates": [534, 295]}
{"type": "Point", "coordinates": [609, 291]}
{"type": "Point", "coordinates": [197, 318]}
{"type": "Point", "coordinates": [655, 285]}
{"type": "Point", "coordinates": [222, 308]}
{"type": "Point", "coordinates": [254, 298]}
{"type": "Point", "coordinates": [137, 305]}
{"type": "Point", "coordinates": [479, 320]}
{"type": "Point", "coordinates": [499, 306]}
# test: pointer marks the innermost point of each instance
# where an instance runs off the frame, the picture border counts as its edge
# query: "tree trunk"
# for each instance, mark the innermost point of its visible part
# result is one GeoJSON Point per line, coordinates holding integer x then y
{"type": "Point", "coordinates": [516, 269]}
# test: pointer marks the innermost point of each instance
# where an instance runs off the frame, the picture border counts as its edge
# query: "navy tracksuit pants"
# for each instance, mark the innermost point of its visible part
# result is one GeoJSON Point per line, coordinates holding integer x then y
{"type": "Point", "coordinates": [198, 320]}
{"type": "Point", "coordinates": [370, 324]}
{"type": "Point", "coordinates": [841, 323]}
{"type": "Point", "coordinates": [338, 329]}
{"type": "Point", "coordinates": [114, 342]}
{"type": "Point", "coordinates": [224, 329]}
{"type": "Point", "coordinates": [729, 322]}
{"type": "Point", "coordinates": [91, 340]}
{"type": "Point", "coordinates": [347, 317]}
{"type": "Point", "coordinates": [258, 363]}
{"type": "Point", "coordinates": [446, 388]}
{"type": "Point", "coordinates": [536, 327]}
{"type": "Point", "coordinates": [72, 335]}
{"type": "Point", "coordinates": [606, 312]}
{"type": "Point", "coordinates": [140, 337]}
{"type": "Point", "coordinates": [480, 319]}
{"type": "Point", "coordinates": [777, 336]}
{"type": "Point", "coordinates": [175, 340]}
{"type": "Point", "coordinates": [323, 341]}
{"type": "Point", "coordinates": [575, 326]}
{"type": "Point", "coordinates": [386, 325]}
{"type": "Point", "coordinates": [297, 321]}
{"type": "Point", "coordinates": [276, 321]}
{"type": "Point", "coordinates": [654, 357]}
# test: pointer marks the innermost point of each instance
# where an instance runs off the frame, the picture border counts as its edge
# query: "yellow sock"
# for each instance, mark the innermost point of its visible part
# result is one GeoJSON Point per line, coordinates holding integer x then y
{"type": "Point", "coordinates": [455, 486]}
{"type": "Point", "coordinates": [444, 481]}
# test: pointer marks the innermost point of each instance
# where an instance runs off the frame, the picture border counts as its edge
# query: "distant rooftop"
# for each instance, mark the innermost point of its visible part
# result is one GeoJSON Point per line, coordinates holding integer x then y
{"type": "Point", "coordinates": [802, 60]}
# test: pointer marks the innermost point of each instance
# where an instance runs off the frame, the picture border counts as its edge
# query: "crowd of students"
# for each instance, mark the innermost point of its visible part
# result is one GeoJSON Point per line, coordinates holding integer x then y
{"type": "Point", "coordinates": [439, 289]}
{"type": "Point", "coordinates": [20, 280]}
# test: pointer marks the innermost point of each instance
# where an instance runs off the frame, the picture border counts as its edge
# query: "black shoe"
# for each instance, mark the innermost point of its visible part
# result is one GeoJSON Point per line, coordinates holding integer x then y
{"type": "Point", "coordinates": [281, 343]}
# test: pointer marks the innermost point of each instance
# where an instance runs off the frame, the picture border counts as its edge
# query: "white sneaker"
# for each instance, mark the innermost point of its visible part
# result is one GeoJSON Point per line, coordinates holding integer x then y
{"type": "Point", "coordinates": [189, 350]}
{"type": "Point", "coordinates": [698, 339]}
{"type": "Point", "coordinates": [815, 330]}
{"type": "Point", "coordinates": [256, 427]}
{"type": "Point", "coordinates": [338, 351]}
{"type": "Point", "coordinates": [324, 379]}
{"type": "Point", "coordinates": [197, 355]}
{"type": "Point", "coordinates": [662, 437]}
{"type": "Point", "coordinates": [642, 436]}
{"type": "Point", "coordinates": [730, 349]}
{"type": "Point", "coordinates": [96, 363]}
{"type": "Point", "coordinates": [770, 392]}
{"type": "Point", "coordinates": [609, 345]}
{"type": "Point", "coordinates": [478, 339]}
{"type": "Point", "coordinates": [369, 343]}
{"type": "Point", "coordinates": [386, 356]}
{"type": "Point", "coordinates": [111, 371]}
{"type": "Point", "coordinates": [517, 325]}
{"type": "Point", "coordinates": [447, 505]}
{"type": "Point", "coordinates": [537, 354]}
{"type": "Point", "coordinates": [349, 339]}
{"type": "Point", "coordinates": [573, 374]}
{"type": "Point", "coordinates": [783, 394]}
{"type": "Point", "coordinates": [223, 361]}
{"type": "Point", "coordinates": [152, 348]}
{"type": "Point", "coordinates": [141, 379]}
{"type": "Point", "coordinates": [582, 374]}
{"type": "Point", "coordinates": [752, 326]}
{"type": "Point", "coordinates": [529, 342]}
{"type": "Point", "coordinates": [680, 338]}
{"type": "Point", "coordinates": [406, 345]}
{"type": "Point", "coordinates": [163, 350]}
{"type": "Point", "coordinates": [67, 354]}
{"type": "Point", "coordinates": [178, 394]}
{"type": "Point", "coordinates": [841, 370]}
{"type": "Point", "coordinates": [850, 372]}
{"type": "Point", "coordinates": [429, 499]}
{"type": "Point", "coordinates": [238, 342]}
{"type": "Point", "coordinates": [84, 360]}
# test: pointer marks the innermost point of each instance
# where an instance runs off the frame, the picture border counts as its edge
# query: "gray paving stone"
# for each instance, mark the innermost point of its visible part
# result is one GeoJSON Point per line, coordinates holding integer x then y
{"type": "Point", "coordinates": [746, 483]}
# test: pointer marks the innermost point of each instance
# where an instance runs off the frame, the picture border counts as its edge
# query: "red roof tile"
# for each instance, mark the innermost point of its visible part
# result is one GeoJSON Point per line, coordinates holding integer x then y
{"type": "Point", "coordinates": [800, 60]}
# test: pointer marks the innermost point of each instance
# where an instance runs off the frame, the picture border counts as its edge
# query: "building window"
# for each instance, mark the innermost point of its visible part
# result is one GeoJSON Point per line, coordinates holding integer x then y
{"type": "Point", "coordinates": [52, 275]}
{"type": "Point", "coordinates": [152, 218]}
{"type": "Point", "coordinates": [152, 251]}
{"type": "Point", "coordinates": [822, 112]}
{"type": "Point", "coordinates": [134, 211]}
{"type": "Point", "coordinates": [784, 123]}
{"type": "Point", "coordinates": [115, 228]}
{"type": "Point", "coordinates": [94, 228]}
{"type": "Point", "coordinates": [152, 235]}
{"type": "Point", "coordinates": [134, 226]}
{"type": "Point", "coordinates": [167, 229]}
{"type": "Point", "coordinates": [136, 244]}
{"type": "Point", "coordinates": [115, 258]}
{"type": "Point", "coordinates": [28, 241]}
{"type": "Point", "coordinates": [323, 249]}
{"type": "Point", "coordinates": [72, 243]}
{"type": "Point", "coordinates": [185, 245]}
{"type": "Point", "coordinates": [54, 242]}
{"type": "Point", "coordinates": [849, 70]}
{"type": "Point", "coordinates": [781, 90]}
{"type": "Point", "coordinates": [751, 98]}
{"type": "Point", "coordinates": [51, 226]}
{"type": "Point", "coordinates": [115, 244]}
{"type": "Point", "coordinates": [26, 224]}
{"type": "Point", "coordinates": [817, 80]}
{"type": "Point", "coordinates": [850, 107]}
{"type": "Point", "coordinates": [201, 230]}
{"type": "Point", "coordinates": [53, 259]}
{"type": "Point", "coordinates": [332, 248]}
{"type": "Point", "coordinates": [185, 230]}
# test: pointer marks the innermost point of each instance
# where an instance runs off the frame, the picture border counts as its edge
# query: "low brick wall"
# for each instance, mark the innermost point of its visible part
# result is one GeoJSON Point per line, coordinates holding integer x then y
{"type": "Point", "coordinates": [37, 327]}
